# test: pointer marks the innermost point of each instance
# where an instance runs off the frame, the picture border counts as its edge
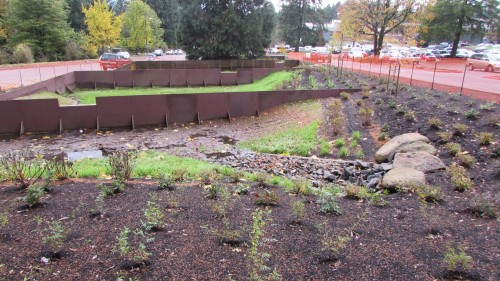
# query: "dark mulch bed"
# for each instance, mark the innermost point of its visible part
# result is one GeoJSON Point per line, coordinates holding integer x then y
{"type": "Point", "coordinates": [393, 243]}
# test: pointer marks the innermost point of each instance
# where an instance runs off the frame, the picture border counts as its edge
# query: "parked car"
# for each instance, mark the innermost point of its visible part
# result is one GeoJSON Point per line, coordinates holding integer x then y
{"type": "Point", "coordinates": [170, 52]}
{"type": "Point", "coordinates": [488, 62]}
{"type": "Point", "coordinates": [427, 57]}
{"type": "Point", "coordinates": [273, 51]}
{"type": "Point", "coordinates": [158, 52]}
{"type": "Point", "coordinates": [124, 54]}
{"type": "Point", "coordinates": [112, 61]}
{"type": "Point", "coordinates": [356, 54]}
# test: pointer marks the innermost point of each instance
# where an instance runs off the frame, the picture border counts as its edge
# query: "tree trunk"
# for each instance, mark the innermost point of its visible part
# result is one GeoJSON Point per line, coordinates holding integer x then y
{"type": "Point", "coordinates": [375, 40]}
{"type": "Point", "coordinates": [459, 29]}
{"type": "Point", "coordinates": [380, 42]}
{"type": "Point", "coordinates": [301, 24]}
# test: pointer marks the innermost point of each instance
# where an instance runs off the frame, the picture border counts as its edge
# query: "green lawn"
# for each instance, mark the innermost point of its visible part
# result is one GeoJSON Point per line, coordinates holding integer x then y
{"type": "Point", "coordinates": [46, 95]}
{"type": "Point", "coordinates": [267, 83]}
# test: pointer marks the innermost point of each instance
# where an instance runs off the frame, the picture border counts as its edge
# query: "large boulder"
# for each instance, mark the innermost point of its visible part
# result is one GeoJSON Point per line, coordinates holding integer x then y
{"type": "Point", "coordinates": [412, 147]}
{"type": "Point", "coordinates": [418, 160]}
{"type": "Point", "coordinates": [383, 152]}
{"type": "Point", "coordinates": [403, 177]}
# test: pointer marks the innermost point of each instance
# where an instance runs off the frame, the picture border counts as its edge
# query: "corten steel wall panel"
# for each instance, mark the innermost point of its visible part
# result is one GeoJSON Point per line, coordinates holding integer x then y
{"type": "Point", "coordinates": [279, 65]}
{"type": "Point", "coordinates": [79, 117]}
{"type": "Point", "coordinates": [179, 64]}
{"type": "Point", "coordinates": [203, 64]}
{"type": "Point", "coordinates": [194, 77]}
{"type": "Point", "coordinates": [149, 110]}
{"type": "Point", "coordinates": [212, 76]}
{"type": "Point", "coordinates": [154, 65]}
{"type": "Point", "coordinates": [10, 116]}
{"type": "Point", "coordinates": [269, 64]}
{"type": "Point", "coordinates": [140, 65]}
{"type": "Point", "coordinates": [259, 73]}
{"type": "Point", "coordinates": [124, 78]}
{"type": "Point", "coordinates": [245, 76]}
{"type": "Point", "coordinates": [142, 78]}
{"type": "Point", "coordinates": [40, 115]}
{"type": "Point", "coordinates": [69, 80]}
{"type": "Point", "coordinates": [271, 99]}
{"type": "Point", "coordinates": [292, 63]}
{"type": "Point", "coordinates": [182, 108]}
{"type": "Point", "coordinates": [105, 79]}
{"type": "Point", "coordinates": [85, 79]}
{"type": "Point", "coordinates": [247, 64]}
{"type": "Point", "coordinates": [160, 77]}
{"type": "Point", "coordinates": [214, 64]}
{"type": "Point", "coordinates": [165, 65]}
{"type": "Point", "coordinates": [225, 64]}
{"type": "Point", "coordinates": [243, 104]}
{"type": "Point", "coordinates": [178, 77]}
{"type": "Point", "coordinates": [192, 64]}
{"type": "Point", "coordinates": [26, 91]}
{"type": "Point", "coordinates": [228, 78]}
{"type": "Point", "coordinates": [114, 111]}
{"type": "Point", "coordinates": [213, 106]}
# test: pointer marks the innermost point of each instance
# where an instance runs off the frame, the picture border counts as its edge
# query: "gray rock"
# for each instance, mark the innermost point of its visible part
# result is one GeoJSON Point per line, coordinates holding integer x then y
{"type": "Point", "coordinates": [362, 164]}
{"type": "Point", "coordinates": [419, 160]}
{"type": "Point", "coordinates": [373, 183]}
{"type": "Point", "coordinates": [411, 147]}
{"type": "Point", "coordinates": [403, 177]}
{"type": "Point", "coordinates": [383, 152]}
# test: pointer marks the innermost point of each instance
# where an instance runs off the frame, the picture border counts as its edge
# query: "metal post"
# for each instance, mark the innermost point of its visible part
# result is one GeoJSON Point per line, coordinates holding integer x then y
{"type": "Point", "coordinates": [388, 77]}
{"type": "Point", "coordinates": [91, 67]}
{"type": "Point", "coordinates": [411, 76]}
{"type": "Point", "coordinates": [380, 70]}
{"type": "Point", "coordinates": [434, 75]}
{"type": "Point", "coordinates": [463, 80]}
{"type": "Point", "coordinates": [360, 65]}
{"type": "Point", "coordinates": [370, 70]}
{"type": "Point", "coordinates": [352, 64]}
{"type": "Point", "coordinates": [67, 68]}
{"type": "Point", "coordinates": [40, 73]}
{"type": "Point", "coordinates": [21, 76]}
{"type": "Point", "coordinates": [397, 83]}
{"type": "Point", "coordinates": [54, 68]}
{"type": "Point", "coordinates": [80, 67]}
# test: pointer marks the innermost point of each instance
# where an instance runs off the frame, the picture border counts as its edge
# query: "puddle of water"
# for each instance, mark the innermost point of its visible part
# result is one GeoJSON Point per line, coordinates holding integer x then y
{"type": "Point", "coordinates": [78, 155]}
{"type": "Point", "coordinates": [218, 155]}
{"type": "Point", "coordinates": [227, 140]}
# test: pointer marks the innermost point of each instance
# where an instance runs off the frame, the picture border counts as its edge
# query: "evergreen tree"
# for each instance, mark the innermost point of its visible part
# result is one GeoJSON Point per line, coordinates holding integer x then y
{"type": "Point", "coordinates": [167, 11]}
{"type": "Point", "coordinates": [211, 29]}
{"type": "Point", "coordinates": [293, 18]}
{"type": "Point", "coordinates": [76, 17]}
{"type": "Point", "coordinates": [41, 24]}
{"type": "Point", "coordinates": [3, 29]}
{"type": "Point", "coordinates": [330, 12]}
{"type": "Point", "coordinates": [141, 27]}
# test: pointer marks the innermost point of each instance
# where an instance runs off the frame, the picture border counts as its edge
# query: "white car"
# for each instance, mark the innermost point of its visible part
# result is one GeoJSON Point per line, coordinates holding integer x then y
{"type": "Point", "coordinates": [170, 52]}
{"type": "Point", "coordinates": [158, 52]}
{"type": "Point", "coordinates": [273, 50]}
{"type": "Point", "coordinates": [125, 55]}
{"type": "Point", "coordinates": [178, 52]}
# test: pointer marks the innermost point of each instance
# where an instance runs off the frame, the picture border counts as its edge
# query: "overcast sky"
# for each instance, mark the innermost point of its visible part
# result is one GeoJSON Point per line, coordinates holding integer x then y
{"type": "Point", "coordinates": [276, 3]}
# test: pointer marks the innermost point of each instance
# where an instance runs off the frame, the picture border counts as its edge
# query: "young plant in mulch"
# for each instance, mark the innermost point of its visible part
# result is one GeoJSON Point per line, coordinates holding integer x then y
{"type": "Point", "coordinates": [266, 198]}
{"type": "Point", "coordinates": [429, 193]}
{"type": "Point", "coordinates": [434, 123]}
{"type": "Point", "coordinates": [131, 247]}
{"type": "Point", "coordinates": [334, 245]}
{"type": "Point", "coordinates": [458, 264]}
{"type": "Point", "coordinates": [257, 257]}
{"type": "Point", "coordinates": [460, 178]}
{"type": "Point", "coordinates": [34, 194]}
{"type": "Point", "coordinates": [227, 234]}
{"type": "Point", "coordinates": [179, 174]}
{"type": "Point", "coordinates": [298, 211]}
{"type": "Point", "coordinates": [213, 191]}
{"type": "Point", "coordinates": [109, 189]}
{"type": "Point", "coordinates": [166, 182]}
{"type": "Point", "coordinates": [121, 164]}
{"type": "Point", "coordinates": [100, 205]}
{"type": "Point", "coordinates": [53, 236]}
{"type": "Point", "coordinates": [444, 137]}
{"type": "Point", "coordinates": [207, 177]}
{"type": "Point", "coordinates": [153, 215]}
{"type": "Point", "coordinates": [465, 160]}
{"type": "Point", "coordinates": [362, 193]}
{"type": "Point", "coordinates": [329, 204]}
{"type": "Point", "coordinates": [453, 148]}
{"type": "Point", "coordinates": [485, 138]}
{"type": "Point", "coordinates": [60, 168]}
{"type": "Point", "coordinates": [460, 129]}
{"type": "Point", "coordinates": [366, 114]}
{"type": "Point", "coordinates": [482, 207]}
{"type": "Point", "coordinates": [260, 179]}
{"type": "Point", "coordinates": [24, 167]}
{"type": "Point", "coordinates": [301, 186]}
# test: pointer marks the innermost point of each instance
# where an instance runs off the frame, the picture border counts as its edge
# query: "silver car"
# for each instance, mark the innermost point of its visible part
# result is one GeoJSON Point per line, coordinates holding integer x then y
{"type": "Point", "coordinates": [488, 62]}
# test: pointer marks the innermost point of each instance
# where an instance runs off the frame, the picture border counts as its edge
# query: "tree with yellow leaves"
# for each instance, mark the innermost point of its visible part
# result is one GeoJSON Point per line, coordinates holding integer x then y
{"type": "Point", "coordinates": [104, 28]}
{"type": "Point", "coordinates": [377, 18]}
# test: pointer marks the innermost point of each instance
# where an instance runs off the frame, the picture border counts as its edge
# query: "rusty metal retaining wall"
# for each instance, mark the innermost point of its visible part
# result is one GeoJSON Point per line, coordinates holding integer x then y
{"type": "Point", "coordinates": [19, 116]}
{"type": "Point", "coordinates": [141, 78]}
{"type": "Point", "coordinates": [207, 64]}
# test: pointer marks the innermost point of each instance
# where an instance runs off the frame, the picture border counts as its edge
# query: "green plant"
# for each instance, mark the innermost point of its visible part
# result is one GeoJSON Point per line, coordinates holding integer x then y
{"type": "Point", "coordinates": [453, 148]}
{"type": "Point", "coordinates": [166, 183]}
{"type": "Point", "coordinates": [379, 101]}
{"type": "Point", "coordinates": [257, 258]}
{"type": "Point", "coordinates": [434, 122]}
{"type": "Point", "coordinates": [445, 136]}
{"type": "Point", "coordinates": [22, 54]}
{"type": "Point", "coordinates": [354, 143]}
{"type": "Point", "coordinates": [153, 215]}
{"type": "Point", "coordinates": [385, 128]}
{"type": "Point", "coordinates": [60, 168]}
{"type": "Point", "coordinates": [410, 116]}
{"type": "Point", "coordinates": [402, 109]}
{"type": "Point", "coordinates": [329, 205]}
{"type": "Point", "coordinates": [129, 250]}
{"type": "Point", "coordinates": [377, 198]}
{"type": "Point", "coordinates": [121, 164]}
{"type": "Point", "coordinates": [4, 219]}
{"type": "Point", "coordinates": [360, 154]}
{"type": "Point", "coordinates": [213, 191]}
{"type": "Point", "coordinates": [365, 114]}
{"type": "Point", "coordinates": [236, 176]}
{"type": "Point", "coordinates": [460, 178]}
{"type": "Point", "coordinates": [179, 174]}
{"type": "Point", "coordinates": [383, 136]}
{"type": "Point", "coordinates": [343, 152]}
{"type": "Point", "coordinates": [487, 106]}
{"type": "Point", "coordinates": [340, 142]}
{"type": "Point", "coordinates": [207, 176]}
{"type": "Point", "coordinates": [298, 208]}
{"type": "Point", "coordinates": [485, 138]}
{"type": "Point", "coordinates": [392, 103]}
{"type": "Point", "coordinates": [34, 193]}
{"type": "Point", "coordinates": [301, 186]}
{"type": "Point", "coordinates": [356, 135]}
{"type": "Point", "coordinates": [460, 129]}
{"type": "Point", "coordinates": [482, 207]}
{"type": "Point", "coordinates": [227, 234]}
{"type": "Point", "coordinates": [110, 189]}
{"type": "Point", "coordinates": [356, 192]}
{"type": "Point", "coordinates": [266, 198]}
{"type": "Point", "coordinates": [313, 82]}
{"type": "Point", "coordinates": [53, 236]}
{"type": "Point", "coordinates": [242, 189]}
{"type": "Point", "coordinates": [261, 178]}
{"type": "Point", "coordinates": [324, 148]}
{"type": "Point", "coordinates": [344, 96]}
{"type": "Point", "coordinates": [466, 160]}
{"type": "Point", "coordinates": [23, 167]}
{"type": "Point", "coordinates": [365, 94]}
{"type": "Point", "coordinates": [429, 193]}
{"type": "Point", "coordinates": [471, 113]}
{"type": "Point", "coordinates": [456, 258]}
{"type": "Point", "coordinates": [359, 102]}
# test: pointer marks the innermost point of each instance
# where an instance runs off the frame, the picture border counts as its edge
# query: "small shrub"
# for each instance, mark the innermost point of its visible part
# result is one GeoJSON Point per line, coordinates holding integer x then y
{"type": "Point", "coordinates": [22, 54]}
{"type": "Point", "coordinates": [121, 164]}
{"type": "Point", "coordinates": [324, 148]}
{"type": "Point", "coordinates": [485, 138]}
{"type": "Point", "coordinates": [471, 114]}
{"type": "Point", "coordinates": [466, 160]}
{"type": "Point", "coordinates": [242, 189]}
{"type": "Point", "coordinates": [128, 250]}
{"type": "Point", "coordinates": [298, 208]}
{"type": "Point", "coordinates": [236, 176]}
{"type": "Point", "coordinates": [213, 191]}
{"type": "Point", "coordinates": [354, 143]}
{"type": "Point", "coordinates": [379, 101]}
{"type": "Point", "coordinates": [344, 96]}
{"type": "Point", "coordinates": [410, 116]}
{"type": "Point", "coordinates": [207, 176]}
{"type": "Point", "coordinates": [166, 183]}
{"type": "Point", "coordinates": [429, 193]}
{"type": "Point", "coordinates": [179, 174]}
{"type": "Point", "coordinates": [359, 102]}
{"type": "Point", "coordinates": [340, 142]}
{"type": "Point", "coordinates": [482, 207]}
{"type": "Point", "coordinates": [266, 198]}
{"type": "Point", "coordinates": [301, 186]}
{"type": "Point", "coordinates": [383, 136]}
{"type": "Point", "coordinates": [33, 194]}
{"type": "Point", "coordinates": [456, 259]}
{"type": "Point", "coordinates": [453, 148]}
{"type": "Point", "coordinates": [261, 178]}
{"type": "Point", "coordinates": [434, 122]}
{"type": "Point", "coordinates": [343, 152]}
{"type": "Point", "coordinates": [460, 178]}
{"type": "Point", "coordinates": [337, 124]}
{"type": "Point", "coordinates": [60, 168]}
{"type": "Point", "coordinates": [392, 103]}
{"type": "Point", "coordinates": [377, 198]}
{"type": "Point", "coordinates": [25, 167]}
{"type": "Point", "coordinates": [53, 236]}
{"type": "Point", "coordinates": [356, 135]}
{"type": "Point", "coordinates": [460, 129]}
{"type": "Point", "coordinates": [153, 215]}
{"type": "Point", "coordinates": [487, 106]}
{"type": "Point", "coordinates": [360, 154]}
{"type": "Point", "coordinates": [356, 192]}
{"type": "Point", "coordinates": [402, 109]}
{"type": "Point", "coordinates": [365, 114]}
{"type": "Point", "coordinates": [329, 205]}
{"type": "Point", "coordinates": [365, 94]}
{"type": "Point", "coordinates": [110, 189]}
{"type": "Point", "coordinates": [385, 128]}
{"type": "Point", "coordinates": [444, 137]}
